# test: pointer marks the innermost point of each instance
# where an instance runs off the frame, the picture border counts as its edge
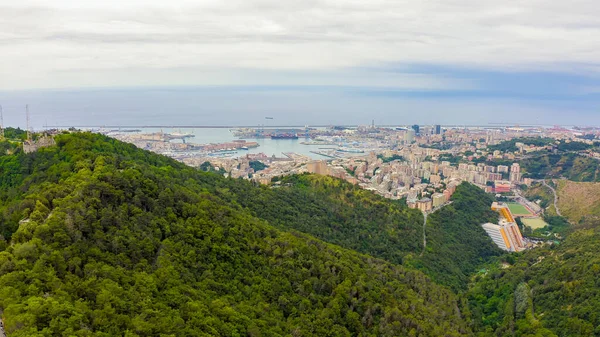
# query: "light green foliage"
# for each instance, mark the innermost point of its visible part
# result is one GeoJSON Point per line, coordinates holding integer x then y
{"type": "Point", "coordinates": [99, 238]}
{"type": "Point", "coordinates": [517, 208]}
{"type": "Point", "coordinates": [110, 240]}
{"type": "Point", "coordinates": [552, 291]}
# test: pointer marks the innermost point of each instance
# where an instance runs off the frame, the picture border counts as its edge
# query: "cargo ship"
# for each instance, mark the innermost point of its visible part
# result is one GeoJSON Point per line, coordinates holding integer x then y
{"type": "Point", "coordinates": [284, 136]}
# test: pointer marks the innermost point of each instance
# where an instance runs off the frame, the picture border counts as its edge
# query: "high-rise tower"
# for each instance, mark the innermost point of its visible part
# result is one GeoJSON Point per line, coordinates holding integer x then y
{"type": "Point", "coordinates": [515, 173]}
{"type": "Point", "coordinates": [416, 128]}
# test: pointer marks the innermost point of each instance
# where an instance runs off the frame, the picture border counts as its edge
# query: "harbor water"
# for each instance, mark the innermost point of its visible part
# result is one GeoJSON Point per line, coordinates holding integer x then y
{"type": "Point", "coordinates": [267, 146]}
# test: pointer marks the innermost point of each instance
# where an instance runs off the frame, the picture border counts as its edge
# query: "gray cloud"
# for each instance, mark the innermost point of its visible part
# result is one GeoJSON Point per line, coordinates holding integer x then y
{"type": "Point", "coordinates": [42, 40]}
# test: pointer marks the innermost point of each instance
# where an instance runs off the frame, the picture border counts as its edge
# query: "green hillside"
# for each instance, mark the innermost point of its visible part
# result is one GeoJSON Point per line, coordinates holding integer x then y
{"type": "Point", "coordinates": [344, 214]}
{"type": "Point", "coordinates": [510, 145]}
{"type": "Point", "coordinates": [552, 291]}
{"type": "Point", "coordinates": [337, 212]}
{"type": "Point", "coordinates": [571, 166]}
{"type": "Point", "coordinates": [102, 239]}
{"type": "Point", "coordinates": [457, 245]}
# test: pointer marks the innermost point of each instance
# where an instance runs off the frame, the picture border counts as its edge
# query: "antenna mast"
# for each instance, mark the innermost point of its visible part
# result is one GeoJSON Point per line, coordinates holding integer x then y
{"type": "Point", "coordinates": [1, 123]}
{"type": "Point", "coordinates": [27, 114]}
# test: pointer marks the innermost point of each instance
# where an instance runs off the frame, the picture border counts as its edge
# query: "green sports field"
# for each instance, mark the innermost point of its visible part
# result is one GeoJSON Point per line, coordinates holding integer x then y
{"type": "Point", "coordinates": [517, 209]}
{"type": "Point", "coordinates": [534, 223]}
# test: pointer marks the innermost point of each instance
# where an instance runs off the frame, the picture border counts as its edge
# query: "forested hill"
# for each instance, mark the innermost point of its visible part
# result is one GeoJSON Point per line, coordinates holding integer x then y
{"type": "Point", "coordinates": [103, 239]}
{"type": "Point", "coordinates": [457, 245]}
{"type": "Point", "coordinates": [337, 212]}
{"type": "Point", "coordinates": [551, 291]}
{"type": "Point", "coordinates": [570, 166]}
{"type": "Point", "coordinates": [347, 215]}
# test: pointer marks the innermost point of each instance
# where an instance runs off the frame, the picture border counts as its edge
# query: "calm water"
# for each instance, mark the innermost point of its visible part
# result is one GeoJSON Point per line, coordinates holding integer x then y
{"type": "Point", "coordinates": [293, 105]}
{"type": "Point", "coordinates": [267, 146]}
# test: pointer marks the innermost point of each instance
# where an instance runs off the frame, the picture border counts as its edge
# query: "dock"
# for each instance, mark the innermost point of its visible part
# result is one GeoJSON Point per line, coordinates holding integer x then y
{"type": "Point", "coordinates": [324, 154]}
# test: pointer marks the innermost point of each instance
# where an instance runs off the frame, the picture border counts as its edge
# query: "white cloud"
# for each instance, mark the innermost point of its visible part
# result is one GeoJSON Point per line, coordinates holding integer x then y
{"type": "Point", "coordinates": [113, 42]}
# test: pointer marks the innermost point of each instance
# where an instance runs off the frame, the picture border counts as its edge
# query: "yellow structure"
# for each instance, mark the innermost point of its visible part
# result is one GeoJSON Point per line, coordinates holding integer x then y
{"type": "Point", "coordinates": [504, 211]}
{"type": "Point", "coordinates": [505, 238]}
{"type": "Point", "coordinates": [506, 233]}
{"type": "Point", "coordinates": [424, 205]}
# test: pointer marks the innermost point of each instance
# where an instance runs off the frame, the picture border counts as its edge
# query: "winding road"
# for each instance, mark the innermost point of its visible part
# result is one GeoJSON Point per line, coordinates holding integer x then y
{"type": "Point", "coordinates": [555, 197]}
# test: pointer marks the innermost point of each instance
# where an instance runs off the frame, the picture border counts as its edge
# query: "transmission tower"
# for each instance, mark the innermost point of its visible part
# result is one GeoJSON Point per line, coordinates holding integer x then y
{"type": "Point", "coordinates": [27, 114]}
{"type": "Point", "coordinates": [1, 123]}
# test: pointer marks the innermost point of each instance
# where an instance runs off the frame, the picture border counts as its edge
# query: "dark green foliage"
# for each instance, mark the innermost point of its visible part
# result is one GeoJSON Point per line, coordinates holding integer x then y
{"type": "Point", "coordinates": [550, 291]}
{"type": "Point", "coordinates": [110, 240]}
{"type": "Point", "coordinates": [8, 147]}
{"type": "Point", "coordinates": [338, 212]}
{"type": "Point", "coordinates": [207, 167]}
{"type": "Point", "coordinates": [451, 158]}
{"type": "Point", "coordinates": [558, 225]}
{"type": "Point", "coordinates": [439, 146]}
{"type": "Point", "coordinates": [15, 134]}
{"type": "Point", "coordinates": [509, 145]}
{"type": "Point", "coordinates": [341, 213]}
{"type": "Point", "coordinates": [457, 245]}
{"type": "Point", "coordinates": [588, 136]}
{"type": "Point", "coordinates": [351, 172]}
{"type": "Point", "coordinates": [573, 146]}
{"type": "Point", "coordinates": [391, 158]}
{"type": "Point", "coordinates": [571, 166]}
{"type": "Point", "coordinates": [257, 165]}
{"type": "Point", "coordinates": [543, 165]}
{"type": "Point", "coordinates": [344, 214]}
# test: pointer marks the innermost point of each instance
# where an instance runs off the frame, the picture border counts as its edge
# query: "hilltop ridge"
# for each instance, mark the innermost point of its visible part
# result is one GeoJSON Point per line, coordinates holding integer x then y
{"type": "Point", "coordinates": [101, 238]}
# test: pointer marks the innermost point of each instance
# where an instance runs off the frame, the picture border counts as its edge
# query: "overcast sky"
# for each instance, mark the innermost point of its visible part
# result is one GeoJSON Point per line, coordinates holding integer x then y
{"type": "Point", "coordinates": [526, 53]}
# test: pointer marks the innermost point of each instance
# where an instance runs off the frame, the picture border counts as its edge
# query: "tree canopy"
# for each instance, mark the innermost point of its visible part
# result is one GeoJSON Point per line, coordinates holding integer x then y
{"type": "Point", "coordinates": [99, 238]}
{"type": "Point", "coordinates": [103, 239]}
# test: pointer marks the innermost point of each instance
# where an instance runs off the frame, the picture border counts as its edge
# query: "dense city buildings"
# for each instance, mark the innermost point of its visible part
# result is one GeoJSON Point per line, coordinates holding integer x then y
{"type": "Point", "coordinates": [419, 163]}
{"type": "Point", "coordinates": [318, 167]}
{"type": "Point", "coordinates": [502, 186]}
{"type": "Point", "coordinates": [409, 136]}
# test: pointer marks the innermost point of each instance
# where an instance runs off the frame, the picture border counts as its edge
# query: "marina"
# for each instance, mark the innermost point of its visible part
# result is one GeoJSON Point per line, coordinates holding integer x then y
{"type": "Point", "coordinates": [232, 143]}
